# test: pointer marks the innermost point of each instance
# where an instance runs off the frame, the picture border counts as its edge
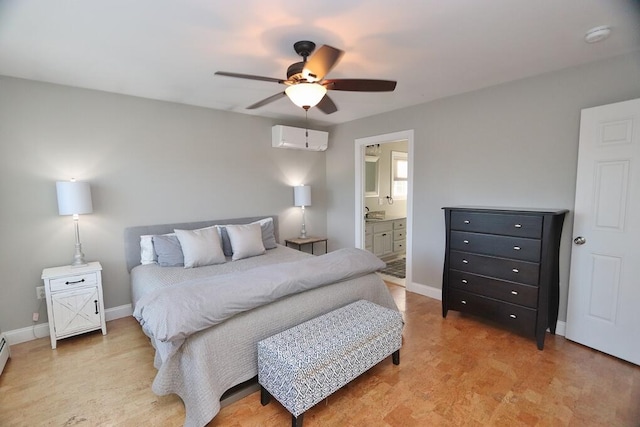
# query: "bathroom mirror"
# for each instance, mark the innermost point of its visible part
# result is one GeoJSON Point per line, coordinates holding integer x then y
{"type": "Point", "coordinates": [371, 172]}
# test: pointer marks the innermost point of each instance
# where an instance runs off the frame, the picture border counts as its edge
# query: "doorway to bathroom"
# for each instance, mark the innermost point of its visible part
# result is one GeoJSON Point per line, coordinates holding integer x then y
{"type": "Point", "coordinates": [384, 183]}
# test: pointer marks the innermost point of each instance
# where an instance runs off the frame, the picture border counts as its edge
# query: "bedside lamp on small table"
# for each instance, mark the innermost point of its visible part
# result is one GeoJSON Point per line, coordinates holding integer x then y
{"type": "Point", "coordinates": [75, 302]}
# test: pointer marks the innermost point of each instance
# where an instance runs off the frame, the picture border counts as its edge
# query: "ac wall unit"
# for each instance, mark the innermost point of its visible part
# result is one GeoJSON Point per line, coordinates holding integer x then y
{"type": "Point", "coordinates": [297, 139]}
{"type": "Point", "coordinates": [4, 352]}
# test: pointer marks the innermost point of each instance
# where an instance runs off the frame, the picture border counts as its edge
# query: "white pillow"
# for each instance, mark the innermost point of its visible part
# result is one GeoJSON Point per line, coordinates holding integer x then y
{"type": "Point", "coordinates": [146, 250]}
{"type": "Point", "coordinates": [246, 240]}
{"type": "Point", "coordinates": [200, 247]}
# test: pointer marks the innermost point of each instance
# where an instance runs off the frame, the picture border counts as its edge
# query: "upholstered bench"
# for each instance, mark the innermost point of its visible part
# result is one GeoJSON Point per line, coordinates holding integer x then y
{"type": "Point", "coordinates": [305, 364]}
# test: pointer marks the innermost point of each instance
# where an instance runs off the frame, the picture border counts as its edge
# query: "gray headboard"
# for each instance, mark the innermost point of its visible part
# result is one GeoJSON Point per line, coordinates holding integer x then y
{"type": "Point", "coordinates": [132, 234]}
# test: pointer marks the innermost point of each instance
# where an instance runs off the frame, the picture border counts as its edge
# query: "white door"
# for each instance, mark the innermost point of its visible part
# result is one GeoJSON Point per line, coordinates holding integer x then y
{"type": "Point", "coordinates": [604, 287]}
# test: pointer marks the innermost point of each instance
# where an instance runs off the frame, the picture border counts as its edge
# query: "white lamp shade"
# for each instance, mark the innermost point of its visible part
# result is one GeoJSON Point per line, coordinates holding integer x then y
{"type": "Point", "coordinates": [306, 94]}
{"type": "Point", "coordinates": [302, 195]}
{"type": "Point", "coordinates": [74, 198]}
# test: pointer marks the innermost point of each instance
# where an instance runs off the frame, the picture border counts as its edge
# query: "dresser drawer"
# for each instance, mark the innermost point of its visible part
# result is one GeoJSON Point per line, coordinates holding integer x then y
{"type": "Point", "coordinates": [398, 246]}
{"type": "Point", "coordinates": [399, 234]}
{"type": "Point", "coordinates": [399, 224]}
{"type": "Point", "coordinates": [512, 315]}
{"type": "Point", "coordinates": [501, 268]}
{"type": "Point", "coordinates": [71, 282]}
{"type": "Point", "coordinates": [507, 224]}
{"type": "Point", "coordinates": [515, 293]}
{"type": "Point", "coordinates": [490, 244]}
{"type": "Point", "coordinates": [381, 227]}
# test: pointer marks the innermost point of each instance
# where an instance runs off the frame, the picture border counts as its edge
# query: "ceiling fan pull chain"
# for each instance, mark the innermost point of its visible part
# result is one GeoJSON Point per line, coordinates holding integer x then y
{"type": "Point", "coordinates": [306, 126]}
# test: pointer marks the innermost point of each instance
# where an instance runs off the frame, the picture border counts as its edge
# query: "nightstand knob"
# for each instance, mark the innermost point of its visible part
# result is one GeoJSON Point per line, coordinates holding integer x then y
{"type": "Point", "coordinates": [463, 302]}
{"type": "Point", "coordinates": [464, 261]}
{"type": "Point", "coordinates": [518, 226]}
{"type": "Point", "coordinates": [73, 283]}
{"type": "Point", "coordinates": [513, 316]}
{"type": "Point", "coordinates": [516, 248]}
{"type": "Point", "coordinates": [464, 281]}
{"type": "Point", "coordinates": [514, 292]}
{"type": "Point", "coordinates": [466, 221]}
{"type": "Point", "coordinates": [466, 242]}
{"type": "Point", "coordinates": [515, 270]}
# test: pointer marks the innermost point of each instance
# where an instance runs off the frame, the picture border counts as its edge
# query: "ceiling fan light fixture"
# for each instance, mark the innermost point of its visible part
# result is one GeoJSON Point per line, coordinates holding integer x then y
{"type": "Point", "coordinates": [306, 95]}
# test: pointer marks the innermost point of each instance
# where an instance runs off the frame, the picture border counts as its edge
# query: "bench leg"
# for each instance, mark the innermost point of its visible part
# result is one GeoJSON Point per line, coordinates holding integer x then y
{"type": "Point", "coordinates": [296, 421]}
{"type": "Point", "coordinates": [396, 357]}
{"type": "Point", "coordinates": [265, 397]}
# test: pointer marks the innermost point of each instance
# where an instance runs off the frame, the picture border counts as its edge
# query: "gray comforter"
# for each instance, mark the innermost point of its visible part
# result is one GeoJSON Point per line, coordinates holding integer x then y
{"type": "Point", "coordinates": [174, 313]}
{"type": "Point", "coordinates": [202, 366]}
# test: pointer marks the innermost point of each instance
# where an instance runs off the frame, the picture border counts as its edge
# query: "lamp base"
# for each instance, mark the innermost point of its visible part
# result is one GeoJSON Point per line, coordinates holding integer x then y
{"type": "Point", "coordinates": [78, 257]}
{"type": "Point", "coordinates": [303, 230]}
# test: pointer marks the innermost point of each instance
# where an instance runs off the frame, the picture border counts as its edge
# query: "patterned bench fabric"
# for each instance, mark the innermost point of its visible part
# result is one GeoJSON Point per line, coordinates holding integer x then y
{"type": "Point", "coordinates": [303, 365]}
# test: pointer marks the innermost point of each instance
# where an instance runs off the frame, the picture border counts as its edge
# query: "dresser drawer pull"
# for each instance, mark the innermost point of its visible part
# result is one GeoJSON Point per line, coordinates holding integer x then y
{"type": "Point", "coordinates": [513, 316]}
{"type": "Point", "coordinates": [466, 221]}
{"type": "Point", "coordinates": [466, 242]}
{"type": "Point", "coordinates": [516, 248]}
{"type": "Point", "coordinates": [464, 281]}
{"type": "Point", "coordinates": [514, 292]}
{"type": "Point", "coordinates": [518, 226]}
{"type": "Point", "coordinates": [464, 261]}
{"type": "Point", "coordinates": [73, 283]}
{"type": "Point", "coordinates": [95, 301]}
{"type": "Point", "coordinates": [463, 302]}
{"type": "Point", "coordinates": [515, 270]}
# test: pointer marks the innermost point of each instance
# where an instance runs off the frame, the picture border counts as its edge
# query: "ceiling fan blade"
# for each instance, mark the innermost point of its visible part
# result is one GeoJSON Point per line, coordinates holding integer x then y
{"type": "Point", "coordinates": [249, 77]}
{"type": "Point", "coordinates": [266, 101]}
{"type": "Point", "coordinates": [326, 105]}
{"type": "Point", "coordinates": [360, 85]}
{"type": "Point", "coordinates": [321, 62]}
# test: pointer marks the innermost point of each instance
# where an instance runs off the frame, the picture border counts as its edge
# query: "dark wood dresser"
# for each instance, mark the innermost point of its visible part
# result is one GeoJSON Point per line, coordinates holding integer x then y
{"type": "Point", "coordinates": [502, 264]}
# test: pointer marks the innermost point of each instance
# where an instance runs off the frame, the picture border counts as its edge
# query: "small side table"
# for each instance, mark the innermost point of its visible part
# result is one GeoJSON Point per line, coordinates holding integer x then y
{"type": "Point", "coordinates": [75, 304]}
{"type": "Point", "coordinates": [300, 242]}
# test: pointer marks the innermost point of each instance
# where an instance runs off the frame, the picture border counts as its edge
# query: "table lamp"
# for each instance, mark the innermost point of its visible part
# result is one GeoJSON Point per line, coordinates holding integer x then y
{"type": "Point", "coordinates": [74, 198]}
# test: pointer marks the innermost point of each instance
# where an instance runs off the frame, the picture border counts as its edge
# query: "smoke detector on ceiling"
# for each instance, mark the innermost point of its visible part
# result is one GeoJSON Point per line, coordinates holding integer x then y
{"type": "Point", "coordinates": [597, 34]}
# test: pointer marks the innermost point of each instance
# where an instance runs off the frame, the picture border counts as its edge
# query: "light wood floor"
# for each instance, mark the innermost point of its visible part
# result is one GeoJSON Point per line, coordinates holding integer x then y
{"type": "Point", "coordinates": [453, 371]}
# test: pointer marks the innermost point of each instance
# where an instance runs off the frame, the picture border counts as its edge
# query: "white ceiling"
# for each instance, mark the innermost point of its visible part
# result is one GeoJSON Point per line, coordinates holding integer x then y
{"type": "Point", "coordinates": [169, 49]}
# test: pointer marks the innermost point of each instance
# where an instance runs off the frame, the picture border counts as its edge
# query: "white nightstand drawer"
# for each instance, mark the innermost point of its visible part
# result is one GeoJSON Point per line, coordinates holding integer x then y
{"type": "Point", "coordinates": [71, 282]}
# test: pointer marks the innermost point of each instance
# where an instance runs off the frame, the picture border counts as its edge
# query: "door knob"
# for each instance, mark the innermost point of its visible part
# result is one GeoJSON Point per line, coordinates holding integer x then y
{"type": "Point", "coordinates": [579, 240]}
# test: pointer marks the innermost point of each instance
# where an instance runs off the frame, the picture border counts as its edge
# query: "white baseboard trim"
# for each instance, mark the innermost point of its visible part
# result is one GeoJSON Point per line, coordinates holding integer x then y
{"type": "Point", "coordinates": [561, 328]}
{"type": "Point", "coordinates": [118, 312]}
{"type": "Point", "coordinates": [41, 330]}
{"type": "Point", "coordinates": [425, 290]}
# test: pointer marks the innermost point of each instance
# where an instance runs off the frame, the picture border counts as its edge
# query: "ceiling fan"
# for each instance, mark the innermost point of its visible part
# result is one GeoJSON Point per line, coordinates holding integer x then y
{"type": "Point", "coordinates": [306, 85]}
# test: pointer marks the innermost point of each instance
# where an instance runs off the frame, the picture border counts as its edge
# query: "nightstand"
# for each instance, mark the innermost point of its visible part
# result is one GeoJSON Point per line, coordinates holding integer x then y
{"type": "Point", "coordinates": [74, 300]}
{"type": "Point", "coordinates": [299, 242]}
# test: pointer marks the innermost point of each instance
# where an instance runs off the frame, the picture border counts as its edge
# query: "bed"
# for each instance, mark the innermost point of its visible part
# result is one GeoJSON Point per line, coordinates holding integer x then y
{"type": "Point", "coordinates": [220, 354]}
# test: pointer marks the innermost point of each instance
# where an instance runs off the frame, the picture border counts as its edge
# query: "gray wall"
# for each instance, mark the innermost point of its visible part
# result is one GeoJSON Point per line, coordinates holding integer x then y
{"type": "Point", "coordinates": [148, 162]}
{"type": "Point", "coordinates": [514, 144]}
{"type": "Point", "coordinates": [156, 162]}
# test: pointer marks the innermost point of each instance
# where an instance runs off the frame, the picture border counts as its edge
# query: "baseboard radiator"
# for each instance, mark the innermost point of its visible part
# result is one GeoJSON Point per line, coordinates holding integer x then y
{"type": "Point", "coordinates": [4, 352]}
